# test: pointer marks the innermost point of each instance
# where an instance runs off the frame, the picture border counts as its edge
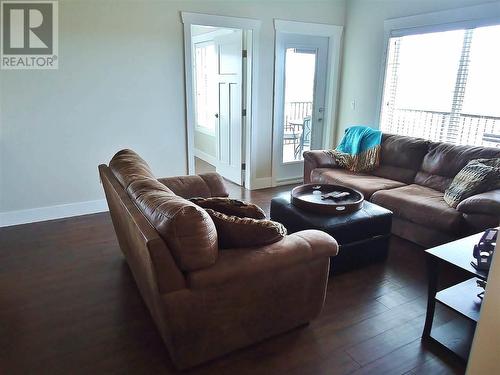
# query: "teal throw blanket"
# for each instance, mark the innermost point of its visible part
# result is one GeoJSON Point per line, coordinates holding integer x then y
{"type": "Point", "coordinates": [359, 149]}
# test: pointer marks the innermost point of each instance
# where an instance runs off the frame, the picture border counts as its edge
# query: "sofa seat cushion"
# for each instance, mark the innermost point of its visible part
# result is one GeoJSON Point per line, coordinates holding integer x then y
{"type": "Point", "coordinates": [420, 205]}
{"type": "Point", "coordinates": [236, 265]}
{"type": "Point", "coordinates": [365, 183]}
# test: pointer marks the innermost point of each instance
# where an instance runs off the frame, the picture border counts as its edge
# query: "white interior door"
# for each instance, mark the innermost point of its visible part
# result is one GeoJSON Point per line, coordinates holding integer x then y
{"type": "Point", "coordinates": [300, 87]}
{"type": "Point", "coordinates": [229, 116]}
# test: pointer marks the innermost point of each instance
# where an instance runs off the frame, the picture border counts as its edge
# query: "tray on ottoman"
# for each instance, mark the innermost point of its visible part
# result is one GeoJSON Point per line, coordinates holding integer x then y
{"type": "Point", "coordinates": [324, 198]}
{"type": "Point", "coordinates": [363, 235]}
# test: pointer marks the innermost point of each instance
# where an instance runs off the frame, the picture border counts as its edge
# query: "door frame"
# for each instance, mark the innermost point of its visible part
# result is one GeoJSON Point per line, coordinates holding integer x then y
{"type": "Point", "coordinates": [288, 171]}
{"type": "Point", "coordinates": [334, 35]}
{"type": "Point", "coordinates": [250, 81]}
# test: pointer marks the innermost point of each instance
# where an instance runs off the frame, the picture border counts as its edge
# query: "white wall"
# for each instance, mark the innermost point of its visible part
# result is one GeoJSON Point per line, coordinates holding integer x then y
{"type": "Point", "coordinates": [120, 84]}
{"type": "Point", "coordinates": [363, 49]}
{"type": "Point", "coordinates": [205, 143]}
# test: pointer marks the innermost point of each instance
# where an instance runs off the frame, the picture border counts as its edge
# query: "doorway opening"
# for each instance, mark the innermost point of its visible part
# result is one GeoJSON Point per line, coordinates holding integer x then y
{"type": "Point", "coordinates": [217, 82]}
{"type": "Point", "coordinates": [219, 60]}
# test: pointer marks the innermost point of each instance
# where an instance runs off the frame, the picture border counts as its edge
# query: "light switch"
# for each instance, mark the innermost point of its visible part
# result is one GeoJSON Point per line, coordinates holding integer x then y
{"type": "Point", "coordinates": [353, 105]}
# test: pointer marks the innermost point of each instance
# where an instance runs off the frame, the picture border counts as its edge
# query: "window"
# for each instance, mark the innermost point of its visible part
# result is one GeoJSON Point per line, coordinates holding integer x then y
{"type": "Point", "coordinates": [205, 82]}
{"type": "Point", "coordinates": [444, 86]}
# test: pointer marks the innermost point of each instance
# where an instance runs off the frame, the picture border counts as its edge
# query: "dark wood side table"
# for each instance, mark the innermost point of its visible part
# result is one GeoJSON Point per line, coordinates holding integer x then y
{"type": "Point", "coordinates": [456, 335]}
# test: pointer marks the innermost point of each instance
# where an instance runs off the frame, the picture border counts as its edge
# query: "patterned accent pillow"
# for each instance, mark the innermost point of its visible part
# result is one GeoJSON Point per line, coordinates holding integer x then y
{"type": "Point", "coordinates": [237, 232]}
{"type": "Point", "coordinates": [231, 207]}
{"type": "Point", "coordinates": [476, 177]}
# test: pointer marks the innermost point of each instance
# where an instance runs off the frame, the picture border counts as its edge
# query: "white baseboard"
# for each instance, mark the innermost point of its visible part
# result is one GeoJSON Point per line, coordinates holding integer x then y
{"type": "Point", "coordinates": [261, 183]}
{"type": "Point", "coordinates": [206, 157]}
{"type": "Point", "coordinates": [53, 212]}
{"type": "Point", "coordinates": [289, 181]}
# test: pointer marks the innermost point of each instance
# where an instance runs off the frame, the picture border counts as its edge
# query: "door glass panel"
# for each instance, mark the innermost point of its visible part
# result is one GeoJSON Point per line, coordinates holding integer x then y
{"type": "Point", "coordinates": [300, 71]}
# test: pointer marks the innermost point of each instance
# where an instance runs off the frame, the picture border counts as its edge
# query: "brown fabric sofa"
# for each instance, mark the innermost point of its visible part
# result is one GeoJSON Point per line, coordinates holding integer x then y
{"type": "Point", "coordinates": [205, 301]}
{"type": "Point", "coordinates": [410, 181]}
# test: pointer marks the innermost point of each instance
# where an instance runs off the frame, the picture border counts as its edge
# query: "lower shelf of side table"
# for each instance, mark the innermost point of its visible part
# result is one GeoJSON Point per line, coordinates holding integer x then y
{"type": "Point", "coordinates": [462, 298]}
{"type": "Point", "coordinates": [457, 334]}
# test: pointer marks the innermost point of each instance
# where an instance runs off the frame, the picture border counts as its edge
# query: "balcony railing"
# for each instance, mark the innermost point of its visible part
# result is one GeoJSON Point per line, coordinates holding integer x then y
{"type": "Point", "coordinates": [466, 129]}
{"type": "Point", "coordinates": [294, 139]}
{"type": "Point", "coordinates": [295, 112]}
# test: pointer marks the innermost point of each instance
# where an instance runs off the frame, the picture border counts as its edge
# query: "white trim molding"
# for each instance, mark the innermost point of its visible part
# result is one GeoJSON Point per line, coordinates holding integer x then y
{"type": "Point", "coordinates": [452, 19]}
{"type": "Point", "coordinates": [190, 18]}
{"type": "Point", "coordinates": [289, 181]}
{"type": "Point", "coordinates": [61, 211]}
{"type": "Point", "coordinates": [307, 28]}
{"type": "Point", "coordinates": [245, 24]}
{"type": "Point", "coordinates": [262, 183]}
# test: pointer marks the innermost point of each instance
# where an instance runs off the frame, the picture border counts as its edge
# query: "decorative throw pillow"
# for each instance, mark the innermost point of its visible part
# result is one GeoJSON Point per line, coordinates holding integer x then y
{"type": "Point", "coordinates": [231, 207]}
{"type": "Point", "coordinates": [476, 177]}
{"type": "Point", "coordinates": [237, 232]}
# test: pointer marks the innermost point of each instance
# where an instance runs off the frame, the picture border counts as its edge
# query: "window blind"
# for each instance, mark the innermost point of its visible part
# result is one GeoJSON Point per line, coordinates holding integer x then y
{"type": "Point", "coordinates": [444, 86]}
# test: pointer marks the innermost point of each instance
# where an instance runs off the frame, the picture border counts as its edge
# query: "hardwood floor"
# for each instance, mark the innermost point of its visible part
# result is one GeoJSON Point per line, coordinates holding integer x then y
{"type": "Point", "coordinates": [201, 166]}
{"type": "Point", "coordinates": [69, 305]}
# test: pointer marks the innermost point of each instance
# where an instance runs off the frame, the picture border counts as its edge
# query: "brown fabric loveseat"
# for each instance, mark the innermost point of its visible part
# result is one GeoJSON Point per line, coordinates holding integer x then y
{"type": "Point", "coordinates": [410, 181]}
{"type": "Point", "coordinates": [205, 301]}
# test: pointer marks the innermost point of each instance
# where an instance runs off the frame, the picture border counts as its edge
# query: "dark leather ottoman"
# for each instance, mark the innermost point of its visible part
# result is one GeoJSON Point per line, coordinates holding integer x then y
{"type": "Point", "coordinates": [363, 235]}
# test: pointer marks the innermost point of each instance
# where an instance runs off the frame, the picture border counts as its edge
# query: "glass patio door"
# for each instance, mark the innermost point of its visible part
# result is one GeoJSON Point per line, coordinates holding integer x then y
{"type": "Point", "coordinates": [301, 69]}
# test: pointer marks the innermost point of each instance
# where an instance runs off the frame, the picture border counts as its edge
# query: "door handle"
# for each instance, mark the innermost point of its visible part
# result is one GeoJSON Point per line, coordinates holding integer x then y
{"type": "Point", "coordinates": [216, 115]}
{"type": "Point", "coordinates": [321, 110]}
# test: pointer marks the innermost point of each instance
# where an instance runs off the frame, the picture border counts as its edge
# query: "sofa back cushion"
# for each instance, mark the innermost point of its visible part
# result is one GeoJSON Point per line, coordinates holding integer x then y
{"type": "Point", "coordinates": [401, 157]}
{"type": "Point", "coordinates": [204, 185]}
{"type": "Point", "coordinates": [444, 161]}
{"type": "Point", "coordinates": [186, 228]}
{"type": "Point", "coordinates": [127, 167]}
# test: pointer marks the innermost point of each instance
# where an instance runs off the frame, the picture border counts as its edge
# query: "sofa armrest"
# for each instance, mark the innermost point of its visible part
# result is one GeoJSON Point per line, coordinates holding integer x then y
{"type": "Point", "coordinates": [240, 264]}
{"type": "Point", "coordinates": [204, 185]}
{"type": "Point", "coordinates": [487, 203]}
{"type": "Point", "coordinates": [316, 159]}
